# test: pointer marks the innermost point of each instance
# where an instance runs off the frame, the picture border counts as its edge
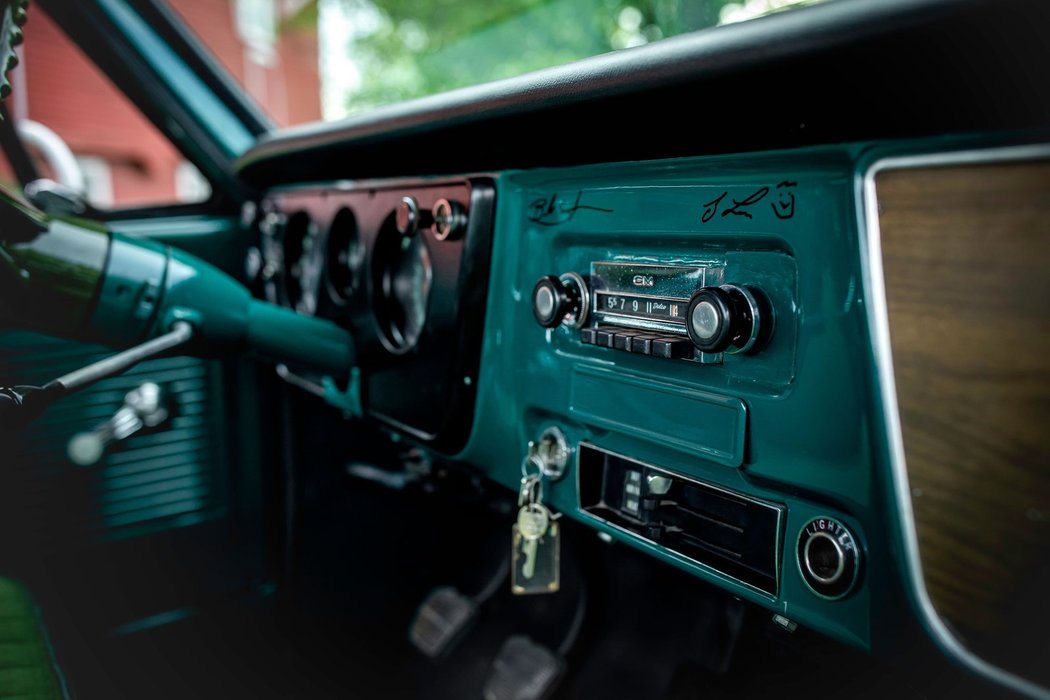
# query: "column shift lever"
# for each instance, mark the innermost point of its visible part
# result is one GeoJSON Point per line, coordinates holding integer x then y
{"type": "Point", "coordinates": [145, 406]}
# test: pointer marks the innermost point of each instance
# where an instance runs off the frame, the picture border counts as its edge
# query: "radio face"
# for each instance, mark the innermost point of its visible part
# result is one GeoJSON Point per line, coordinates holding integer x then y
{"type": "Point", "coordinates": [650, 296]}
{"type": "Point", "coordinates": [730, 308]}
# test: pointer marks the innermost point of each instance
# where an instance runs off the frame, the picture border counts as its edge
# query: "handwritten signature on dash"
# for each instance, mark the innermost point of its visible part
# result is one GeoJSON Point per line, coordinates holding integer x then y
{"type": "Point", "coordinates": [553, 210]}
{"type": "Point", "coordinates": [783, 207]}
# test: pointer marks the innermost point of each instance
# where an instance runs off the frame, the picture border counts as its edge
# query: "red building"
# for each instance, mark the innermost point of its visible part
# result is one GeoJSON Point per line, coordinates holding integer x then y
{"type": "Point", "coordinates": [269, 46]}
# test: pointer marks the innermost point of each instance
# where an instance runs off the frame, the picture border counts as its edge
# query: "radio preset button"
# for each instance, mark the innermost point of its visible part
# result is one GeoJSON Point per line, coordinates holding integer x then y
{"type": "Point", "coordinates": [622, 340]}
{"type": "Point", "coordinates": [672, 348]}
{"type": "Point", "coordinates": [637, 341]}
{"type": "Point", "coordinates": [642, 344]}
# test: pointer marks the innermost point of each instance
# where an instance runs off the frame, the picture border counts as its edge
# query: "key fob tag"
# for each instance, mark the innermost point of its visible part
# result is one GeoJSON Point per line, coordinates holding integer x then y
{"type": "Point", "coordinates": [535, 563]}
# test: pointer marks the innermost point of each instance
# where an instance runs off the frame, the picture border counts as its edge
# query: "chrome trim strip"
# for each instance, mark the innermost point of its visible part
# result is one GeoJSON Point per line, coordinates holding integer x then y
{"type": "Point", "coordinates": [678, 265]}
{"type": "Point", "coordinates": [779, 508]}
{"type": "Point", "coordinates": [878, 319]}
{"type": "Point", "coordinates": [644, 324]}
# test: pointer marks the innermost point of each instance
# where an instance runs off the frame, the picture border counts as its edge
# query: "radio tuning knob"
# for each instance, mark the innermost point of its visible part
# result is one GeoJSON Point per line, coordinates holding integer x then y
{"type": "Point", "coordinates": [560, 300]}
{"type": "Point", "coordinates": [727, 319]}
{"type": "Point", "coordinates": [409, 218]}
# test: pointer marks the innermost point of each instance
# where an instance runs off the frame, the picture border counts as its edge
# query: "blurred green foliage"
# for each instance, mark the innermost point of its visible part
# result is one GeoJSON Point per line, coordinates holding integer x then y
{"type": "Point", "coordinates": [409, 48]}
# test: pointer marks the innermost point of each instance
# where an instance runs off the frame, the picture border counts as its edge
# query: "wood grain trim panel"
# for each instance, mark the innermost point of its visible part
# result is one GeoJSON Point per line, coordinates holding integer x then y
{"type": "Point", "coordinates": [966, 258]}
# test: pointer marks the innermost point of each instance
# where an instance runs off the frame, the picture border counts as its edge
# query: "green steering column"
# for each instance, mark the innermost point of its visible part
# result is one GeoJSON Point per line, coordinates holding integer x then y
{"type": "Point", "coordinates": [78, 280]}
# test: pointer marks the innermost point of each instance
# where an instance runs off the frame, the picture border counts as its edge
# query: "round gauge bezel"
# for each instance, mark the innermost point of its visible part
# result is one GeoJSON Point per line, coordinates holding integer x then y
{"type": "Point", "coordinates": [294, 290]}
{"type": "Point", "coordinates": [344, 222]}
{"type": "Point", "coordinates": [388, 254]}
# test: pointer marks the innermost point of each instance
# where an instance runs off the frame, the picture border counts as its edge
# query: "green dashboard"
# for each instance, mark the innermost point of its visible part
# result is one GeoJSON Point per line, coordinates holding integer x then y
{"type": "Point", "coordinates": [767, 352]}
{"type": "Point", "coordinates": [745, 422]}
{"type": "Point", "coordinates": [762, 455]}
{"type": "Point", "coordinates": [774, 447]}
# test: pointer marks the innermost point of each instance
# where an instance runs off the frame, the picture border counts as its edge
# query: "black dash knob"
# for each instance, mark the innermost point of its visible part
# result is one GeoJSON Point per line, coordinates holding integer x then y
{"type": "Point", "coordinates": [561, 301]}
{"type": "Point", "coordinates": [409, 218]}
{"type": "Point", "coordinates": [450, 219]}
{"type": "Point", "coordinates": [552, 301]}
{"type": "Point", "coordinates": [726, 318]}
{"type": "Point", "coordinates": [709, 319]}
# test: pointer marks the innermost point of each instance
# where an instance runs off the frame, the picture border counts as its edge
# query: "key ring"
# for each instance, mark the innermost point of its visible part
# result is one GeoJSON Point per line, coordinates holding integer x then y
{"type": "Point", "coordinates": [536, 462]}
{"type": "Point", "coordinates": [531, 490]}
{"type": "Point", "coordinates": [531, 485]}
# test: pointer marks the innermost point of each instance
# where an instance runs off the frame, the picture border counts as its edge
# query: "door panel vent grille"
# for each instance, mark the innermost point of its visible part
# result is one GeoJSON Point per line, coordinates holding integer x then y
{"type": "Point", "coordinates": [171, 476]}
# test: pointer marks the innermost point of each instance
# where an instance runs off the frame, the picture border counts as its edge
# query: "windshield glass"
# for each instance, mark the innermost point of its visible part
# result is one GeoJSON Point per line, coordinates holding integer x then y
{"type": "Point", "coordinates": [305, 60]}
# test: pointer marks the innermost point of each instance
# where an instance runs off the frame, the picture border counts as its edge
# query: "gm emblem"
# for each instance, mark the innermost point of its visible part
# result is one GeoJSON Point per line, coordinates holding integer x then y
{"type": "Point", "coordinates": [643, 281]}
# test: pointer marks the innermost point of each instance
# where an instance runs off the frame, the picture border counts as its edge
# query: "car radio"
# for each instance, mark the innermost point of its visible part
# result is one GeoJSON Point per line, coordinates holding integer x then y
{"type": "Point", "coordinates": [674, 311]}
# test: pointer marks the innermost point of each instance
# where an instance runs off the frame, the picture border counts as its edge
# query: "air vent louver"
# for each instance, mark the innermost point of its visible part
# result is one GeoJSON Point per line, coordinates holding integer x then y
{"type": "Point", "coordinates": [733, 534]}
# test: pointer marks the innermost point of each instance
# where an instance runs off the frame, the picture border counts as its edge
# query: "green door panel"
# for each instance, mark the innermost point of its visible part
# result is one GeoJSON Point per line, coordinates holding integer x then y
{"type": "Point", "coordinates": [174, 476]}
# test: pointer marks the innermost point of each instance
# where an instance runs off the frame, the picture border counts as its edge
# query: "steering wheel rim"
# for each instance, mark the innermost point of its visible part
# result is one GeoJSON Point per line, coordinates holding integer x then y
{"type": "Point", "coordinates": [13, 15]}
